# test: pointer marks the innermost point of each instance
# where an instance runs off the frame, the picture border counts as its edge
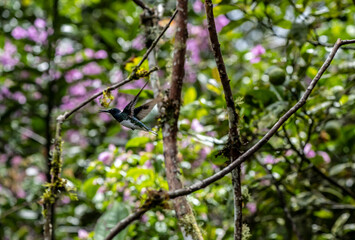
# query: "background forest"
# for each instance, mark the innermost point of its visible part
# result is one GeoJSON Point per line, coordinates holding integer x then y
{"type": "Point", "coordinates": [55, 54]}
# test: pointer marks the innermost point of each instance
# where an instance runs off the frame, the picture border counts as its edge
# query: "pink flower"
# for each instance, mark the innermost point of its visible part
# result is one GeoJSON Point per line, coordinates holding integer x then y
{"type": "Point", "coordinates": [196, 126]}
{"type": "Point", "coordinates": [148, 164]}
{"type": "Point", "coordinates": [8, 58]}
{"type": "Point", "coordinates": [252, 207]}
{"type": "Point", "coordinates": [256, 52]}
{"type": "Point", "coordinates": [144, 218]}
{"type": "Point", "coordinates": [221, 21]}
{"type": "Point", "coordinates": [40, 23]}
{"type": "Point", "coordinates": [101, 54]}
{"type": "Point", "coordinates": [77, 90]}
{"type": "Point", "coordinates": [73, 75]}
{"type": "Point", "coordinates": [15, 161]}
{"type": "Point", "coordinates": [83, 234]}
{"type": "Point", "coordinates": [106, 157]}
{"type": "Point", "coordinates": [20, 193]}
{"type": "Point", "coordinates": [64, 48]}
{"type": "Point", "coordinates": [289, 153]}
{"type": "Point", "coordinates": [149, 147]}
{"type": "Point", "coordinates": [308, 151]}
{"type": "Point", "coordinates": [3, 158]}
{"type": "Point", "coordinates": [19, 33]}
{"type": "Point", "coordinates": [138, 42]}
{"type": "Point", "coordinates": [92, 69]}
{"type": "Point", "coordinates": [325, 156]}
{"type": "Point", "coordinates": [19, 97]}
{"type": "Point", "coordinates": [89, 52]}
{"type": "Point", "coordinates": [197, 6]}
{"type": "Point", "coordinates": [65, 200]}
{"type": "Point", "coordinates": [255, 60]}
{"type": "Point", "coordinates": [269, 159]}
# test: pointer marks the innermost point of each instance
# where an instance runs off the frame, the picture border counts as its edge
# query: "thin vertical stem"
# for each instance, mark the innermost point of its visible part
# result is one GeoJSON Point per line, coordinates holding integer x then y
{"type": "Point", "coordinates": [234, 142]}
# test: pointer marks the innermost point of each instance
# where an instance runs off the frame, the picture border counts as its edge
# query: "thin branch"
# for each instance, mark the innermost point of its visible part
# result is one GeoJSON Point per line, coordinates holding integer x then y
{"type": "Point", "coordinates": [245, 156]}
{"type": "Point", "coordinates": [125, 222]}
{"type": "Point", "coordinates": [232, 119]}
{"type": "Point", "coordinates": [130, 77]}
{"type": "Point", "coordinates": [56, 183]}
{"type": "Point", "coordinates": [143, 6]}
{"type": "Point", "coordinates": [204, 183]}
{"type": "Point", "coordinates": [317, 43]}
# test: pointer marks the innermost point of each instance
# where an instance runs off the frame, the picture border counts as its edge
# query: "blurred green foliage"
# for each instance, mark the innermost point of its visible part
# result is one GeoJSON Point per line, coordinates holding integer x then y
{"type": "Point", "coordinates": [97, 42]}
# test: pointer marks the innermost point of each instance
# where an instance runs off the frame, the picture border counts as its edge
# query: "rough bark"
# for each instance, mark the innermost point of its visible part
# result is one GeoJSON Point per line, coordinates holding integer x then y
{"type": "Point", "coordinates": [234, 142]}
{"type": "Point", "coordinates": [186, 218]}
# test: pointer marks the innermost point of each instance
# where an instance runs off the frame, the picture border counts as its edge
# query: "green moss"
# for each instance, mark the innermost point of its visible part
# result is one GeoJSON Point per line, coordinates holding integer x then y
{"type": "Point", "coordinates": [189, 226]}
{"type": "Point", "coordinates": [245, 232]}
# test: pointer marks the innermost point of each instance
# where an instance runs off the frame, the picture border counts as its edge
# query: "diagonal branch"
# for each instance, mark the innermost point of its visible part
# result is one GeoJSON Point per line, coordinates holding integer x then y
{"type": "Point", "coordinates": [130, 77]}
{"type": "Point", "coordinates": [234, 142]}
{"type": "Point", "coordinates": [56, 183]}
{"type": "Point", "coordinates": [245, 156]}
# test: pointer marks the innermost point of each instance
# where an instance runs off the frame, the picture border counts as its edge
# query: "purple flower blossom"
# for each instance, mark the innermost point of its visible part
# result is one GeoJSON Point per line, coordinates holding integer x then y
{"type": "Point", "coordinates": [73, 75]}
{"type": "Point", "coordinates": [8, 58]}
{"type": "Point", "coordinates": [251, 207]}
{"type": "Point", "coordinates": [18, 96]}
{"type": "Point", "coordinates": [325, 156]}
{"type": "Point", "coordinates": [221, 21]}
{"type": "Point", "coordinates": [19, 33]}
{"type": "Point", "coordinates": [106, 157]}
{"type": "Point", "coordinates": [40, 23]}
{"type": "Point", "coordinates": [202, 157]}
{"type": "Point", "coordinates": [270, 159]}
{"type": "Point", "coordinates": [149, 147]}
{"type": "Point", "coordinates": [77, 90]}
{"type": "Point", "coordinates": [256, 52]}
{"type": "Point", "coordinates": [197, 6]}
{"type": "Point", "coordinates": [83, 234]}
{"type": "Point", "coordinates": [20, 193]}
{"type": "Point", "coordinates": [92, 69]}
{"type": "Point", "coordinates": [289, 153]}
{"type": "Point", "coordinates": [65, 200]}
{"type": "Point", "coordinates": [101, 54]}
{"type": "Point", "coordinates": [192, 45]}
{"type": "Point", "coordinates": [89, 53]}
{"type": "Point", "coordinates": [64, 48]}
{"type": "Point", "coordinates": [308, 151]}
{"type": "Point", "coordinates": [138, 42]}
{"type": "Point", "coordinates": [16, 160]}
{"type": "Point", "coordinates": [3, 158]}
{"type": "Point", "coordinates": [196, 126]}
{"type": "Point", "coordinates": [144, 218]}
{"type": "Point", "coordinates": [148, 164]}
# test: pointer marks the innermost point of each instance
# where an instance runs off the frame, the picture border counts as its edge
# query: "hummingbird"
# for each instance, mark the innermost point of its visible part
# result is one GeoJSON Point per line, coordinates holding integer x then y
{"type": "Point", "coordinates": [131, 117]}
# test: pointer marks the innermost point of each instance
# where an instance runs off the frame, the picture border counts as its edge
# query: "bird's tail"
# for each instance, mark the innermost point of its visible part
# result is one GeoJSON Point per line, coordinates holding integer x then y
{"type": "Point", "coordinates": [151, 131]}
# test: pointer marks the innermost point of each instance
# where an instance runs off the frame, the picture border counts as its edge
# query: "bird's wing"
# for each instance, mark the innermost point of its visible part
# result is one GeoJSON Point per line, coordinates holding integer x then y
{"type": "Point", "coordinates": [142, 111]}
{"type": "Point", "coordinates": [129, 109]}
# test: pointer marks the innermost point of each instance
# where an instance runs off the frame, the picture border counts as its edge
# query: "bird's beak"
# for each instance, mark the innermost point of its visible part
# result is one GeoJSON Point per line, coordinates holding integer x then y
{"type": "Point", "coordinates": [104, 111]}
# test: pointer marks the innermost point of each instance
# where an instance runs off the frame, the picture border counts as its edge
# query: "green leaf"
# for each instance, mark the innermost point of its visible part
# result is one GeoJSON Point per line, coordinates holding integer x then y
{"type": "Point", "coordinates": [109, 219]}
{"type": "Point", "coordinates": [137, 142]}
{"type": "Point", "coordinates": [323, 213]}
{"type": "Point", "coordinates": [223, 9]}
{"type": "Point", "coordinates": [339, 223]}
{"type": "Point", "coordinates": [190, 95]}
{"type": "Point", "coordinates": [90, 188]}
